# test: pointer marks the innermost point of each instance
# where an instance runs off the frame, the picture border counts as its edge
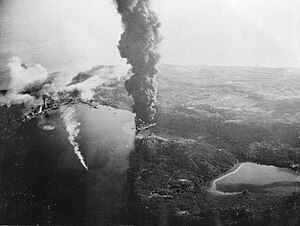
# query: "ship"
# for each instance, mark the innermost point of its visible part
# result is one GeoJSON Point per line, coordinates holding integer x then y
{"type": "Point", "coordinates": [11, 118]}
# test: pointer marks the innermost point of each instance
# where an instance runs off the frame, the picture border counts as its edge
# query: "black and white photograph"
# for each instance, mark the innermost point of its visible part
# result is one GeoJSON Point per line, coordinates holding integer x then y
{"type": "Point", "coordinates": [150, 112]}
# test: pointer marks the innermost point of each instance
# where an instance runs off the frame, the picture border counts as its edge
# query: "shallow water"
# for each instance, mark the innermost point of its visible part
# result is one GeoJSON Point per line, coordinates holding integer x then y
{"type": "Point", "coordinates": [43, 182]}
{"type": "Point", "coordinates": [257, 178]}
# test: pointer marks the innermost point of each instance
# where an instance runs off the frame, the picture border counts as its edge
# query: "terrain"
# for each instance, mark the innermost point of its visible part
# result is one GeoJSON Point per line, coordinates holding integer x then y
{"type": "Point", "coordinates": [208, 119]}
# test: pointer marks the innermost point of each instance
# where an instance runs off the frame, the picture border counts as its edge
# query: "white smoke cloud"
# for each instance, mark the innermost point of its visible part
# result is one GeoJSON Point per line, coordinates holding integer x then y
{"type": "Point", "coordinates": [21, 77]}
{"type": "Point", "coordinates": [70, 119]}
{"type": "Point", "coordinates": [36, 81]}
{"type": "Point", "coordinates": [87, 87]}
{"type": "Point", "coordinates": [15, 98]}
{"type": "Point", "coordinates": [99, 78]}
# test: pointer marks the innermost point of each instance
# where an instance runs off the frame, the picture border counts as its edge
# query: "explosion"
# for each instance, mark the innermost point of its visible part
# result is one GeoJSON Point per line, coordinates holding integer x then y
{"type": "Point", "coordinates": [20, 78]}
{"type": "Point", "coordinates": [33, 86]}
{"type": "Point", "coordinates": [139, 45]}
{"type": "Point", "coordinates": [28, 91]}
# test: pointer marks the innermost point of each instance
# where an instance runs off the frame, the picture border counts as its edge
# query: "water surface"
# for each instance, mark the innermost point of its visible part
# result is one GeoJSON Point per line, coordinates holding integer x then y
{"type": "Point", "coordinates": [256, 178]}
{"type": "Point", "coordinates": [43, 182]}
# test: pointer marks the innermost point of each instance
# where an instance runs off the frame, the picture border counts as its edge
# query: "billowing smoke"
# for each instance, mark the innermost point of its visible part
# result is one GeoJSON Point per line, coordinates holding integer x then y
{"type": "Point", "coordinates": [32, 85]}
{"type": "Point", "coordinates": [87, 82]}
{"type": "Point", "coordinates": [139, 45]}
{"type": "Point", "coordinates": [20, 78]}
{"type": "Point", "coordinates": [27, 84]}
{"type": "Point", "coordinates": [21, 75]}
{"type": "Point", "coordinates": [70, 119]}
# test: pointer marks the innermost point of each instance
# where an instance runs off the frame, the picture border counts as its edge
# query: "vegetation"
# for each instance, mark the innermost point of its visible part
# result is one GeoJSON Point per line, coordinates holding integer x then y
{"type": "Point", "coordinates": [208, 119]}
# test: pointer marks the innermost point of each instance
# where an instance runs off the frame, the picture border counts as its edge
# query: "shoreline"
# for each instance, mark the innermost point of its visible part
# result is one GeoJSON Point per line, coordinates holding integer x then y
{"type": "Point", "coordinates": [212, 185]}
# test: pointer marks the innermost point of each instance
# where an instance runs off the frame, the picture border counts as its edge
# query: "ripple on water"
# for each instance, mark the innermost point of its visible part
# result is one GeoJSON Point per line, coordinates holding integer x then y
{"type": "Point", "coordinates": [129, 128]}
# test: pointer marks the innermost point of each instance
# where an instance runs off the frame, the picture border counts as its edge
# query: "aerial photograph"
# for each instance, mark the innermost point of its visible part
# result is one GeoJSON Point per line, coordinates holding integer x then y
{"type": "Point", "coordinates": [150, 112]}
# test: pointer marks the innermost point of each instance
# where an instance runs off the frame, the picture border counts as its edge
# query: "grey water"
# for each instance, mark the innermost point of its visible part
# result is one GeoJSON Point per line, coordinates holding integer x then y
{"type": "Point", "coordinates": [43, 182]}
{"type": "Point", "coordinates": [258, 178]}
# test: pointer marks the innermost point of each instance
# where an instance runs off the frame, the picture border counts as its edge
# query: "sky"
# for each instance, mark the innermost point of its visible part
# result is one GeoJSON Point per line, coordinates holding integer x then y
{"type": "Point", "coordinates": [85, 33]}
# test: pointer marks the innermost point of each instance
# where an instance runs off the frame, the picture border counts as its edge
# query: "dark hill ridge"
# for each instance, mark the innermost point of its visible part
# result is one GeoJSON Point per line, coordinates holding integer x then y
{"type": "Point", "coordinates": [209, 118]}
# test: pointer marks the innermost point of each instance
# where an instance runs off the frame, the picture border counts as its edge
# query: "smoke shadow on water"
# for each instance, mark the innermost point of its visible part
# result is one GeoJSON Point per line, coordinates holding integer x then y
{"type": "Point", "coordinates": [43, 182]}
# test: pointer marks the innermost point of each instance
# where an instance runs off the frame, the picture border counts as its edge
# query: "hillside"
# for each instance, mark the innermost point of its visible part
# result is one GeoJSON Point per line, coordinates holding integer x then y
{"type": "Point", "coordinates": [208, 119]}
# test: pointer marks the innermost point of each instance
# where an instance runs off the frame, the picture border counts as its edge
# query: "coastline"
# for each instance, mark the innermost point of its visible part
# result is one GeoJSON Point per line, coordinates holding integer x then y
{"type": "Point", "coordinates": [212, 185]}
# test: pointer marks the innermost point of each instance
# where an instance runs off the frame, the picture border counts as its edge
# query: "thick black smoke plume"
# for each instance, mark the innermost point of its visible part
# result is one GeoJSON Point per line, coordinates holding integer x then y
{"type": "Point", "coordinates": [138, 44]}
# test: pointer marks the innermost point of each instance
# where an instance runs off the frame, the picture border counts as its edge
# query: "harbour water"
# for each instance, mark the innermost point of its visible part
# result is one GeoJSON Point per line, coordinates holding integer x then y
{"type": "Point", "coordinates": [43, 181]}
